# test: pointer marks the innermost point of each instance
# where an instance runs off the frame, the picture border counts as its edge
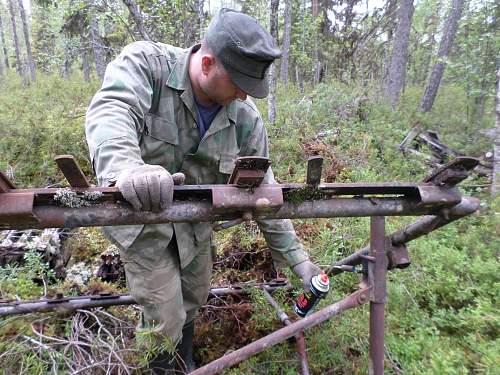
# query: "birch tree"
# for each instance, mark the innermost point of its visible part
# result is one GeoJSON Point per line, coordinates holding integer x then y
{"type": "Point", "coordinates": [287, 31]}
{"type": "Point", "coordinates": [4, 45]}
{"type": "Point", "coordinates": [31, 62]}
{"type": "Point", "coordinates": [273, 28]}
{"type": "Point", "coordinates": [449, 33]}
{"type": "Point", "coordinates": [397, 68]}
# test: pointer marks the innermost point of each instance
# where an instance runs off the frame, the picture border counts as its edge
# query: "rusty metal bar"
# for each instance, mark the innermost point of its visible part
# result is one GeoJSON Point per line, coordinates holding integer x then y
{"type": "Point", "coordinates": [72, 171]}
{"type": "Point", "coordinates": [314, 169]}
{"type": "Point", "coordinates": [377, 270]}
{"type": "Point", "coordinates": [419, 228]}
{"type": "Point", "coordinates": [5, 183]}
{"type": "Point", "coordinates": [300, 341]}
{"type": "Point", "coordinates": [65, 304]}
{"type": "Point", "coordinates": [109, 213]}
{"type": "Point", "coordinates": [353, 300]}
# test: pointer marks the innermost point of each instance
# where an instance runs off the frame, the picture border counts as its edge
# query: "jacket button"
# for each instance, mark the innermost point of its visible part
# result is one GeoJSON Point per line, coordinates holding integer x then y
{"type": "Point", "coordinates": [111, 176]}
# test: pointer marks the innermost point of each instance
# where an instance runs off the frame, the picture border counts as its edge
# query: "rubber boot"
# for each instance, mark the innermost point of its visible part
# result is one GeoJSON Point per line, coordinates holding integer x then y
{"type": "Point", "coordinates": [162, 364]}
{"type": "Point", "coordinates": [186, 348]}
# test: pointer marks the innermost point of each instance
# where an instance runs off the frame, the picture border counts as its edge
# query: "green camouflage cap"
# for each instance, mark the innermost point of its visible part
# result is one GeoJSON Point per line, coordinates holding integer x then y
{"type": "Point", "coordinates": [245, 49]}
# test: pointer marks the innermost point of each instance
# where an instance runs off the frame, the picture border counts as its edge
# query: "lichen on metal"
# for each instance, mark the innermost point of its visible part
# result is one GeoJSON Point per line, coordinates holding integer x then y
{"type": "Point", "coordinates": [69, 198]}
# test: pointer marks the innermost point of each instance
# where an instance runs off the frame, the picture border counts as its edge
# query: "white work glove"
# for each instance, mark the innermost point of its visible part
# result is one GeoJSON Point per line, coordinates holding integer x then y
{"type": "Point", "coordinates": [148, 187]}
{"type": "Point", "coordinates": [306, 270]}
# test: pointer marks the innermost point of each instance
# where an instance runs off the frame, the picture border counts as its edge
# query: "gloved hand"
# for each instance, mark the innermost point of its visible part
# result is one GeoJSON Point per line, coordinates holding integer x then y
{"type": "Point", "coordinates": [148, 187]}
{"type": "Point", "coordinates": [306, 270]}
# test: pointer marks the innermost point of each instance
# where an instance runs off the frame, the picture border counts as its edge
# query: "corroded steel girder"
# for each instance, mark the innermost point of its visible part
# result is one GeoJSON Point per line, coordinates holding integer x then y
{"type": "Point", "coordinates": [36, 208]}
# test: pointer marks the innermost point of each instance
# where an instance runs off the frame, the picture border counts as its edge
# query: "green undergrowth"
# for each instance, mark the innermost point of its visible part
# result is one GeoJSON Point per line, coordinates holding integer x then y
{"type": "Point", "coordinates": [442, 312]}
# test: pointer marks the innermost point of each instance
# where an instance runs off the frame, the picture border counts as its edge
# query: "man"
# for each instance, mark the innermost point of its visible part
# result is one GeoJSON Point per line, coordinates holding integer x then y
{"type": "Point", "coordinates": [164, 110]}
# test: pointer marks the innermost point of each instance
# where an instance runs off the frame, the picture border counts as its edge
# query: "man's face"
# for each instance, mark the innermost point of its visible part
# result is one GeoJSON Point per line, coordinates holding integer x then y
{"type": "Point", "coordinates": [217, 85]}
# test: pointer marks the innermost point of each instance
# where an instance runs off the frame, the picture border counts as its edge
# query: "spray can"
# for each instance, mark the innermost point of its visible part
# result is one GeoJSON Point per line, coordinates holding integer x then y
{"type": "Point", "coordinates": [319, 286]}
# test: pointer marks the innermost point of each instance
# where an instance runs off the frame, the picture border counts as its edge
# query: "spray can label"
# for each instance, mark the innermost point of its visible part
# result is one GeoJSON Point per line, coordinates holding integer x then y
{"type": "Point", "coordinates": [319, 287]}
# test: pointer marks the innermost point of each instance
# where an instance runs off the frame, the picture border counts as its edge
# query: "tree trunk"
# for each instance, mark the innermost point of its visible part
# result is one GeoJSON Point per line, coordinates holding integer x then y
{"type": "Point", "coordinates": [397, 69]}
{"type": "Point", "coordinates": [136, 15]}
{"type": "Point", "coordinates": [390, 15]}
{"type": "Point", "coordinates": [317, 53]}
{"type": "Point", "coordinates": [85, 58]}
{"type": "Point", "coordinates": [287, 31]}
{"type": "Point", "coordinates": [31, 62]}
{"type": "Point", "coordinates": [495, 181]}
{"type": "Point", "coordinates": [201, 18]}
{"type": "Point", "coordinates": [4, 45]}
{"type": "Point", "coordinates": [449, 32]}
{"type": "Point", "coordinates": [19, 65]}
{"type": "Point", "coordinates": [66, 68]}
{"type": "Point", "coordinates": [97, 45]}
{"type": "Point", "coordinates": [431, 27]}
{"type": "Point", "coordinates": [273, 28]}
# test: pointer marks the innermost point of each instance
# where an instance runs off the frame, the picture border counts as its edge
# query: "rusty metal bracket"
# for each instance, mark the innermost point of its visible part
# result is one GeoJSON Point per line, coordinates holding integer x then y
{"type": "Point", "coordinates": [17, 208]}
{"type": "Point", "coordinates": [397, 256]}
{"type": "Point", "coordinates": [431, 195]}
{"type": "Point", "coordinates": [249, 171]}
{"type": "Point", "coordinates": [5, 183]}
{"type": "Point", "coordinates": [453, 172]}
{"type": "Point", "coordinates": [314, 169]}
{"type": "Point", "coordinates": [72, 171]}
{"type": "Point", "coordinates": [266, 198]}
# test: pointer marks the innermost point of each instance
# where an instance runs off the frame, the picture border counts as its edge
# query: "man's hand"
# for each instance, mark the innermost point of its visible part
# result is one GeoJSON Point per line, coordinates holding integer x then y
{"type": "Point", "coordinates": [148, 187]}
{"type": "Point", "coordinates": [306, 270]}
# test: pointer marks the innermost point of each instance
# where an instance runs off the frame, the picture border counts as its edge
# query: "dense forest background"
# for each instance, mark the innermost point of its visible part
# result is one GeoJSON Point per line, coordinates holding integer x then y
{"type": "Point", "coordinates": [354, 79]}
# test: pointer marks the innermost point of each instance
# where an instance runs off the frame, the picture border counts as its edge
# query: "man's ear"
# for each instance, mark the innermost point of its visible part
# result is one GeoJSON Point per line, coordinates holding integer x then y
{"type": "Point", "coordinates": [207, 63]}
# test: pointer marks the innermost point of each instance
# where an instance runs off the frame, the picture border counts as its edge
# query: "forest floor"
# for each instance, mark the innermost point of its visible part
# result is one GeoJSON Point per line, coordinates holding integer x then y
{"type": "Point", "coordinates": [442, 312]}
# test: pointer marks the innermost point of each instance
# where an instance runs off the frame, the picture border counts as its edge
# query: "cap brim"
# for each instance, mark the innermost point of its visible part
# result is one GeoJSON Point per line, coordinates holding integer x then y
{"type": "Point", "coordinates": [258, 88]}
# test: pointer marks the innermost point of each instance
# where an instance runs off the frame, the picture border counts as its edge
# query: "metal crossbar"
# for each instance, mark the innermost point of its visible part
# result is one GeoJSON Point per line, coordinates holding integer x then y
{"type": "Point", "coordinates": [437, 198]}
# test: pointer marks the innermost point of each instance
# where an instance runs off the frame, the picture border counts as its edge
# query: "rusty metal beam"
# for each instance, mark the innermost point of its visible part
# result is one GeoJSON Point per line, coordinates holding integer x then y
{"type": "Point", "coordinates": [300, 341]}
{"type": "Point", "coordinates": [419, 228]}
{"type": "Point", "coordinates": [353, 300]}
{"type": "Point", "coordinates": [65, 304]}
{"type": "Point", "coordinates": [109, 213]}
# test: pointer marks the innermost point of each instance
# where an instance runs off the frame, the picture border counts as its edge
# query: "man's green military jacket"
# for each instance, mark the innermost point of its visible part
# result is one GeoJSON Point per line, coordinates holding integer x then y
{"type": "Point", "coordinates": [145, 114]}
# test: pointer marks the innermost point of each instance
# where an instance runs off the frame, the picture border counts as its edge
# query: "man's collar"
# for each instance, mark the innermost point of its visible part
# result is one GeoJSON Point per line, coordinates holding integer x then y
{"type": "Point", "coordinates": [179, 80]}
{"type": "Point", "coordinates": [179, 76]}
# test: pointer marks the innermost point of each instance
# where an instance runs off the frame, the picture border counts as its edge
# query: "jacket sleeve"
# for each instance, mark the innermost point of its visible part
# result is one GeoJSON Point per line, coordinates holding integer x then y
{"type": "Point", "coordinates": [280, 236]}
{"type": "Point", "coordinates": [115, 115]}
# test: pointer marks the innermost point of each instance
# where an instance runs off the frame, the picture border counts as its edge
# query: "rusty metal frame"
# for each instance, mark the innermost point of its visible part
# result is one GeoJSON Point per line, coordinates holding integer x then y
{"type": "Point", "coordinates": [436, 197]}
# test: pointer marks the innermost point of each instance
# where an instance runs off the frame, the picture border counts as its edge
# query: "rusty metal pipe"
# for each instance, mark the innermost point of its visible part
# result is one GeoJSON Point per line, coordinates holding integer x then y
{"type": "Point", "coordinates": [66, 304]}
{"type": "Point", "coordinates": [300, 341]}
{"type": "Point", "coordinates": [419, 228]}
{"type": "Point", "coordinates": [377, 270]}
{"type": "Point", "coordinates": [202, 211]}
{"type": "Point", "coordinates": [353, 300]}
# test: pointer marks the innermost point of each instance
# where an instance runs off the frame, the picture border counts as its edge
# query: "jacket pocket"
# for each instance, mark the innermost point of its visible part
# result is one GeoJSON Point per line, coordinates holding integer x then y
{"type": "Point", "coordinates": [159, 141]}
{"type": "Point", "coordinates": [227, 163]}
